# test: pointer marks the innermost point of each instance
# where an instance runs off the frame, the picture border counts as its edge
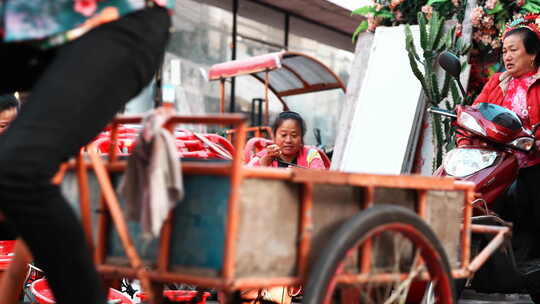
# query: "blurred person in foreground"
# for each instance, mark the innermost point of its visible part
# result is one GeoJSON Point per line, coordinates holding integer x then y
{"type": "Point", "coordinates": [82, 60]}
{"type": "Point", "coordinates": [9, 107]}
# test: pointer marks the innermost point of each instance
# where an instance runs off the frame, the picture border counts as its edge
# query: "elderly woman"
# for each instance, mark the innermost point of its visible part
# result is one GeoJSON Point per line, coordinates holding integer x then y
{"type": "Point", "coordinates": [288, 150]}
{"type": "Point", "coordinates": [518, 89]}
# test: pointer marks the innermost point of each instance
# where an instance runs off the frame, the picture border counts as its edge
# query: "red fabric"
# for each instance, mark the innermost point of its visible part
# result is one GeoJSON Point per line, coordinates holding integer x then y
{"type": "Point", "coordinates": [253, 145]}
{"type": "Point", "coordinates": [515, 98]}
{"type": "Point", "coordinates": [302, 159]}
{"type": "Point", "coordinates": [493, 93]}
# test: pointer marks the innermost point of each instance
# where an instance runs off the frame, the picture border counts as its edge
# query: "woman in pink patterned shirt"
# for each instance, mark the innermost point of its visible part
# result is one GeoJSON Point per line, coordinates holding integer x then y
{"type": "Point", "coordinates": [288, 150]}
{"type": "Point", "coordinates": [518, 89]}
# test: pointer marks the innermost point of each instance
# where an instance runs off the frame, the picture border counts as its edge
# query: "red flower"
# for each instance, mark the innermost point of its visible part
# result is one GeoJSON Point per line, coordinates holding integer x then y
{"type": "Point", "coordinates": [85, 7]}
{"type": "Point", "coordinates": [428, 10]}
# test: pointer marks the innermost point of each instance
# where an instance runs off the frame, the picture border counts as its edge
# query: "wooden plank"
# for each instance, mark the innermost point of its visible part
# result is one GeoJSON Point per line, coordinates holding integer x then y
{"type": "Point", "coordinates": [388, 181]}
{"type": "Point", "coordinates": [332, 206]}
{"type": "Point", "coordinates": [268, 228]}
{"type": "Point", "coordinates": [444, 214]}
{"type": "Point", "coordinates": [356, 81]}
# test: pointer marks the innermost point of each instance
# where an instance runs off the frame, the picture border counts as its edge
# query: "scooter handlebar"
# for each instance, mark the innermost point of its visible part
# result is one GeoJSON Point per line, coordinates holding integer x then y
{"type": "Point", "coordinates": [443, 112]}
{"type": "Point", "coordinates": [535, 127]}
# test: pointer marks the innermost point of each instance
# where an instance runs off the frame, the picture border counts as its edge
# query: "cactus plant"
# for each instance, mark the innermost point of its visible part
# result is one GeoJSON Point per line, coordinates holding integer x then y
{"type": "Point", "coordinates": [433, 41]}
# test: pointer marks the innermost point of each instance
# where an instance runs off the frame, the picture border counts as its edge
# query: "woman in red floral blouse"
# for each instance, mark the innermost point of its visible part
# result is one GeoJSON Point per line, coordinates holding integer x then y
{"type": "Point", "coordinates": [518, 89]}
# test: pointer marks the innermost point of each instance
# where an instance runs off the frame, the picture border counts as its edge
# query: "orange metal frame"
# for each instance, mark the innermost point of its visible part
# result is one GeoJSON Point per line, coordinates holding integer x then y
{"type": "Point", "coordinates": [152, 279]}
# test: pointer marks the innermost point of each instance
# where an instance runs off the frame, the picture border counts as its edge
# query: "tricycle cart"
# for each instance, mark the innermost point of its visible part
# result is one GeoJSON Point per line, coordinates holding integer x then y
{"type": "Point", "coordinates": [347, 238]}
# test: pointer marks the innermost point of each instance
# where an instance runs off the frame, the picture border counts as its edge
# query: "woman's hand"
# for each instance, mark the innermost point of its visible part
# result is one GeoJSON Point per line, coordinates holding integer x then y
{"type": "Point", "coordinates": [272, 151]}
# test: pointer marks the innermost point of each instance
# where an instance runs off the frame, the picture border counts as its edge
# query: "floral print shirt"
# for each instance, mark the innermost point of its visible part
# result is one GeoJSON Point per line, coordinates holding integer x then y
{"type": "Point", "coordinates": [54, 22]}
{"type": "Point", "coordinates": [516, 97]}
{"type": "Point", "coordinates": [515, 100]}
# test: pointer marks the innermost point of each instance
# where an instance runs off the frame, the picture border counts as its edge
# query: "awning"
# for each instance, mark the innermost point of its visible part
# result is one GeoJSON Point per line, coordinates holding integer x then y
{"type": "Point", "coordinates": [289, 73]}
{"type": "Point", "coordinates": [335, 24]}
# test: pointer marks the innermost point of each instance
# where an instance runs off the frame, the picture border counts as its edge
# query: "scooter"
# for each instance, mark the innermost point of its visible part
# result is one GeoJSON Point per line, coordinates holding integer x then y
{"type": "Point", "coordinates": [486, 155]}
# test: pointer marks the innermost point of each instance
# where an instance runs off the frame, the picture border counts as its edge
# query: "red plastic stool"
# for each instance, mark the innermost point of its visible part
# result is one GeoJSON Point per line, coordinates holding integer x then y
{"type": "Point", "coordinates": [180, 296]}
{"type": "Point", "coordinates": [42, 293]}
{"type": "Point", "coordinates": [7, 251]}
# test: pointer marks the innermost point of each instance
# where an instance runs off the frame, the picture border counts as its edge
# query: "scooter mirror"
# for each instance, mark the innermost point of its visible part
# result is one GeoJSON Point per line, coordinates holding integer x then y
{"type": "Point", "coordinates": [450, 63]}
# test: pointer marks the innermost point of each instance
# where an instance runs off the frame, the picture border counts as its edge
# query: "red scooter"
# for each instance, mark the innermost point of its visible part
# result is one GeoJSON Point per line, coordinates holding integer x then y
{"type": "Point", "coordinates": [486, 155]}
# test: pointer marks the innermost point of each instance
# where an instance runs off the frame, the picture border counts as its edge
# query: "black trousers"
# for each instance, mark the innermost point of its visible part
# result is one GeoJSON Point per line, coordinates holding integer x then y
{"type": "Point", "coordinates": [521, 206]}
{"type": "Point", "coordinates": [75, 90]}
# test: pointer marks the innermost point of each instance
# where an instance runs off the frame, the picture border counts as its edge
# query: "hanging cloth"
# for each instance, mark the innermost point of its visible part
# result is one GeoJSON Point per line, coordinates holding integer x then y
{"type": "Point", "coordinates": [152, 185]}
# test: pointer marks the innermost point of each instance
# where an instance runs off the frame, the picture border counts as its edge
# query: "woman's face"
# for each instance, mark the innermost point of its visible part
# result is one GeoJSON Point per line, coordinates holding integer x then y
{"type": "Point", "coordinates": [289, 137]}
{"type": "Point", "coordinates": [516, 60]}
{"type": "Point", "coordinates": [6, 117]}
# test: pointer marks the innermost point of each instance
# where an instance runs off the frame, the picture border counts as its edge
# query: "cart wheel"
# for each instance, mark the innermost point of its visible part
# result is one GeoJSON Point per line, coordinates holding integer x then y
{"type": "Point", "coordinates": [384, 254]}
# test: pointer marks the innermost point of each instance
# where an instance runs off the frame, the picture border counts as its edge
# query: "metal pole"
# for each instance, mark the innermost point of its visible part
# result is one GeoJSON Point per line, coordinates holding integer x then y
{"type": "Point", "coordinates": [266, 101]}
{"type": "Point", "coordinates": [222, 96]}
{"type": "Point", "coordinates": [253, 101]}
{"type": "Point", "coordinates": [232, 104]}
{"type": "Point", "coordinates": [260, 112]}
{"type": "Point", "coordinates": [286, 31]}
{"type": "Point", "coordinates": [158, 94]}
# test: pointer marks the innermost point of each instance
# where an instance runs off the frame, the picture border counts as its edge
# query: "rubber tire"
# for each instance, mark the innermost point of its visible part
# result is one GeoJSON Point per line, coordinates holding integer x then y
{"type": "Point", "coordinates": [354, 231]}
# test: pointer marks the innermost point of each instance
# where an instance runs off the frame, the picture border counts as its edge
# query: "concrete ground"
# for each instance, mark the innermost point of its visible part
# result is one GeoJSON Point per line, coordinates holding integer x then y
{"type": "Point", "coordinates": [470, 297]}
